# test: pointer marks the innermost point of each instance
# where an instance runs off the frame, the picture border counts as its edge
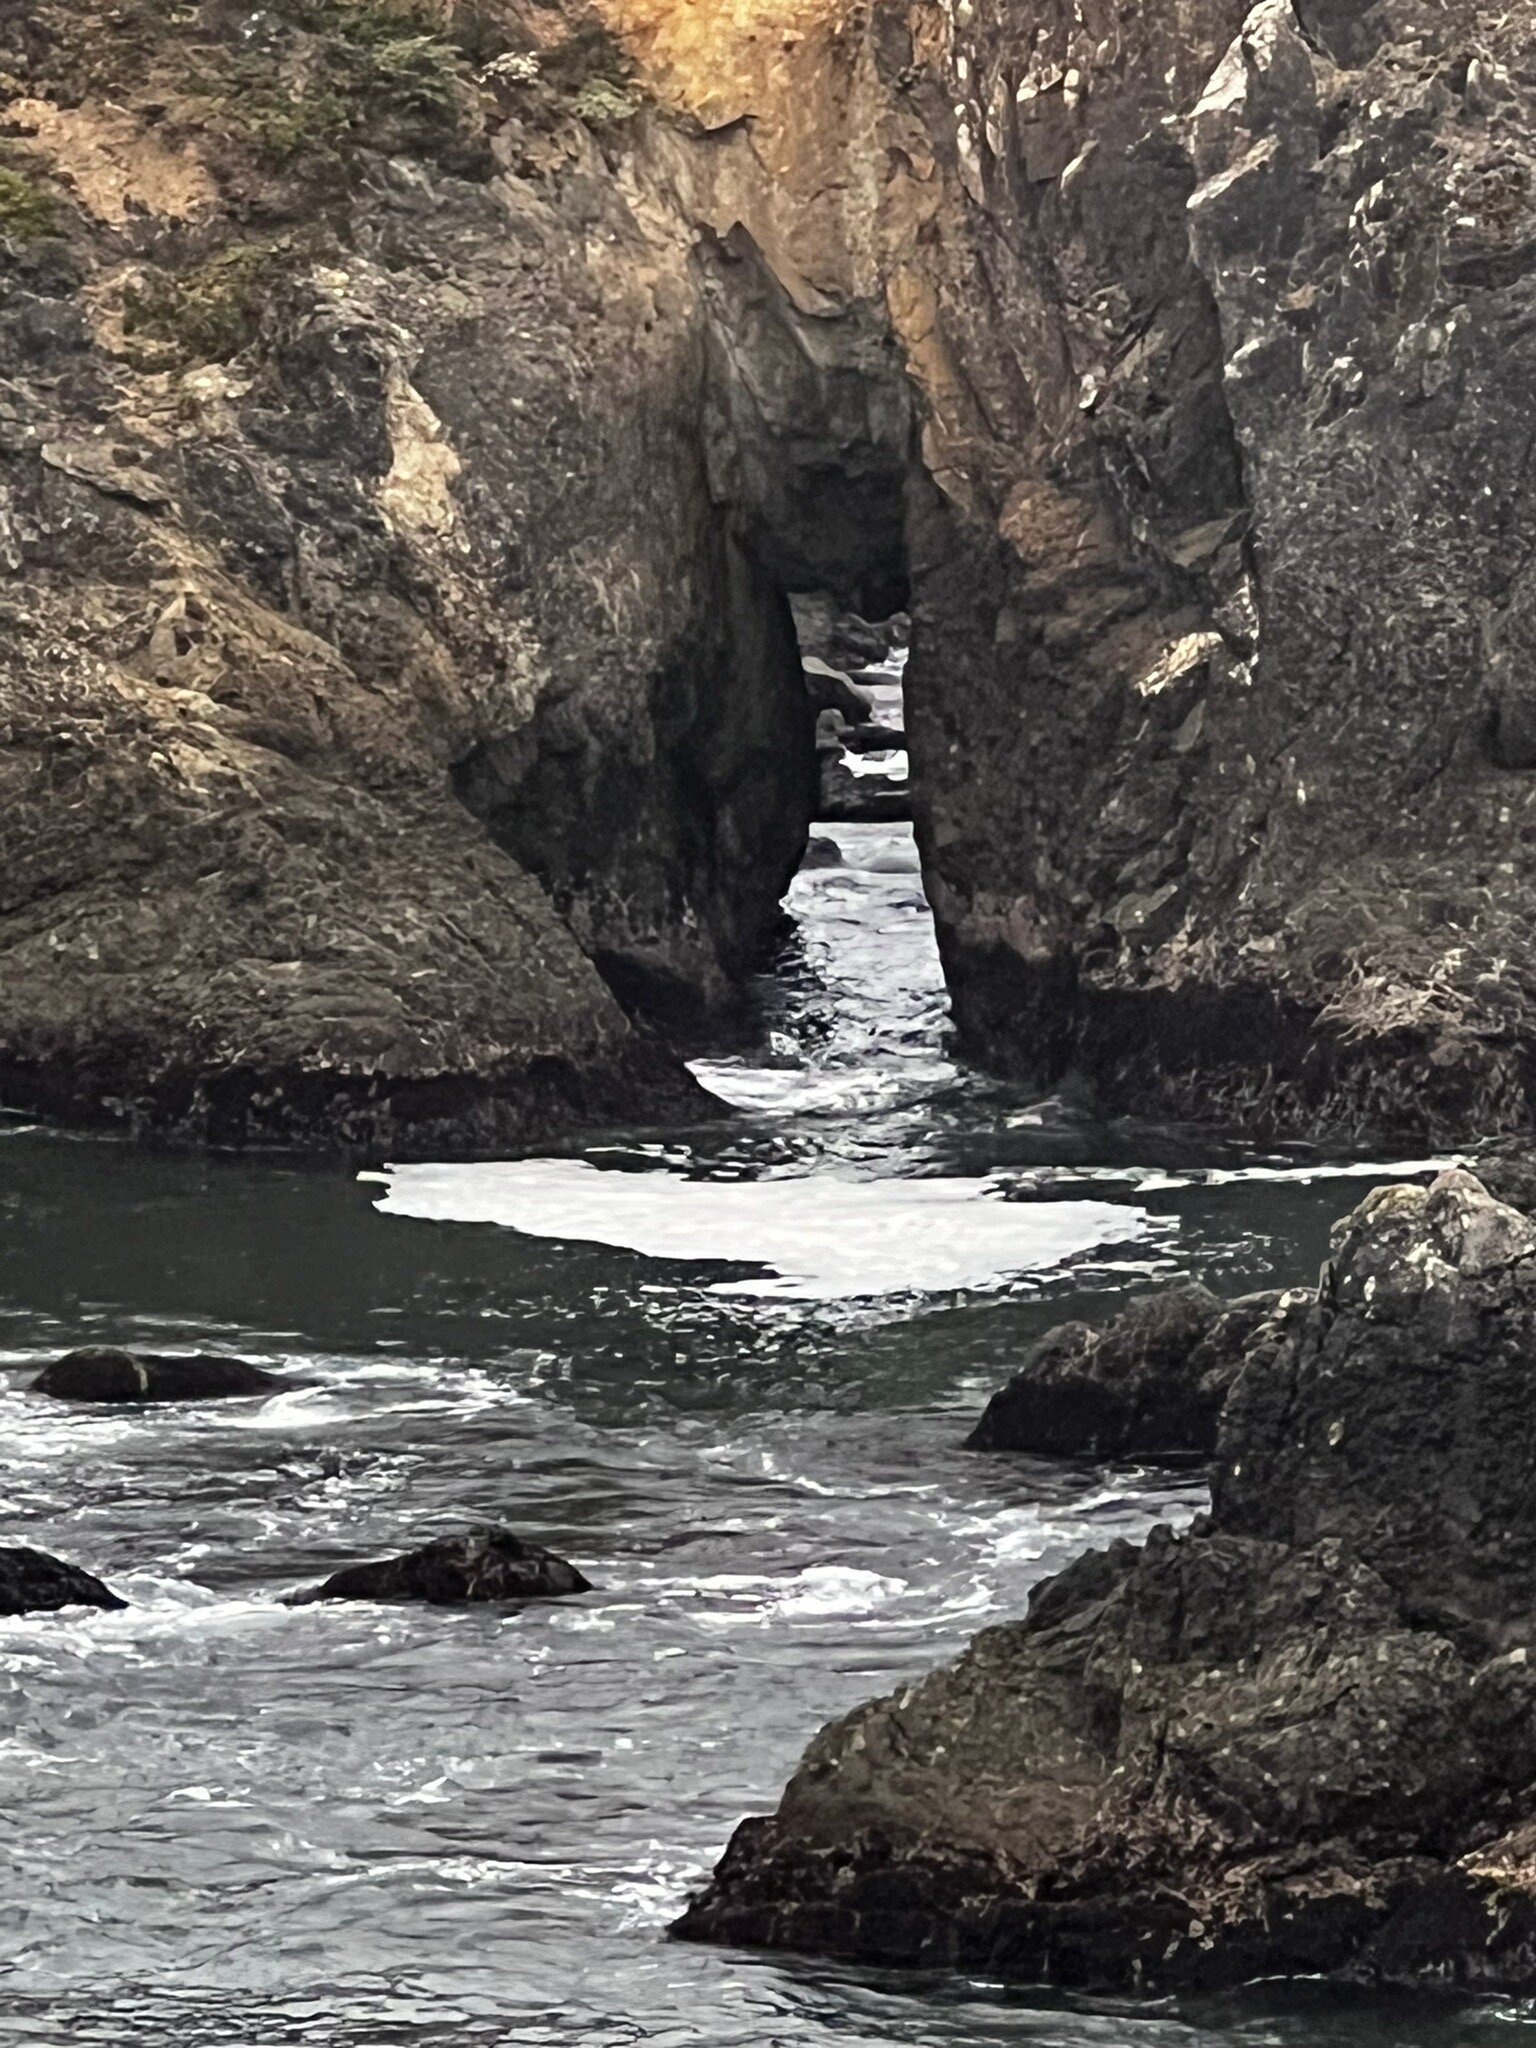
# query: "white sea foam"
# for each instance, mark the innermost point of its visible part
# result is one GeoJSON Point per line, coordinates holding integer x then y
{"type": "Point", "coordinates": [820, 1237]}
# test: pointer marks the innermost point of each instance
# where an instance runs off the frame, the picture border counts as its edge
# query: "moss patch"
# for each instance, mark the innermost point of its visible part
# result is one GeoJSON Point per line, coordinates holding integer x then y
{"type": "Point", "coordinates": [26, 211]}
{"type": "Point", "coordinates": [595, 74]}
{"type": "Point", "coordinates": [211, 313]}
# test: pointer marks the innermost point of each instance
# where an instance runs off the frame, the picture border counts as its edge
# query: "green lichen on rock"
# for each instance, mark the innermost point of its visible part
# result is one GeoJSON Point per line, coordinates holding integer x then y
{"type": "Point", "coordinates": [27, 213]}
{"type": "Point", "coordinates": [213, 312]}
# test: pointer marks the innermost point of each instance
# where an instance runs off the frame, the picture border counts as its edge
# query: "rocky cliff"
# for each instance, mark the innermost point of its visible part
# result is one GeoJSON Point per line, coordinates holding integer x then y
{"type": "Point", "coordinates": [392, 695]}
{"type": "Point", "coordinates": [416, 414]}
{"type": "Point", "coordinates": [1257, 840]}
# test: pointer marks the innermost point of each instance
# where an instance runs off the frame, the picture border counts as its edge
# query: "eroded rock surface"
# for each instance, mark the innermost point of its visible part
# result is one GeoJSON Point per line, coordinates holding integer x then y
{"type": "Point", "coordinates": [1151, 1382]}
{"type": "Point", "coordinates": [485, 1565]}
{"type": "Point", "coordinates": [32, 1582]}
{"type": "Point", "coordinates": [1298, 1738]}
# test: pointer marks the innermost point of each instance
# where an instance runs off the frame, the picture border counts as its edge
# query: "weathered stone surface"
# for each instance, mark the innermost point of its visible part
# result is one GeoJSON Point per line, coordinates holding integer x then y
{"type": "Point", "coordinates": [385, 684]}
{"type": "Point", "coordinates": [1151, 1382]}
{"type": "Point", "coordinates": [1299, 1738]}
{"type": "Point", "coordinates": [484, 1565]}
{"type": "Point", "coordinates": [100, 1373]}
{"type": "Point", "coordinates": [1244, 614]}
{"type": "Point", "coordinates": [32, 1582]}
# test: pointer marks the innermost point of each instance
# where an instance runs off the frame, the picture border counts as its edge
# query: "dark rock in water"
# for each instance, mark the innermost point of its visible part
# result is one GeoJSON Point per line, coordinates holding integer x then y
{"type": "Point", "coordinates": [822, 853]}
{"type": "Point", "coordinates": [1399, 1419]}
{"type": "Point", "coordinates": [1509, 1175]}
{"type": "Point", "coordinates": [830, 690]}
{"type": "Point", "coordinates": [1151, 1382]}
{"type": "Point", "coordinates": [104, 1374]}
{"type": "Point", "coordinates": [873, 739]}
{"type": "Point", "coordinates": [849, 799]}
{"type": "Point", "coordinates": [32, 1582]}
{"type": "Point", "coordinates": [1298, 1739]}
{"type": "Point", "coordinates": [486, 1564]}
{"type": "Point", "coordinates": [827, 632]}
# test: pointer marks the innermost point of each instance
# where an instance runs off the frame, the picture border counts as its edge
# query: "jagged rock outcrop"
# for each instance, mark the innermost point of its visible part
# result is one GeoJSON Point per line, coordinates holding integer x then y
{"type": "Point", "coordinates": [102, 1373]}
{"type": "Point", "coordinates": [32, 1582]}
{"type": "Point", "coordinates": [1299, 1738]}
{"type": "Point", "coordinates": [1150, 1382]}
{"type": "Point", "coordinates": [483, 1565]}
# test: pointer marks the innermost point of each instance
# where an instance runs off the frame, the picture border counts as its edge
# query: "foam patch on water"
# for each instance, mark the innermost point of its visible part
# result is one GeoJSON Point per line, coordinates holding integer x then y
{"type": "Point", "coordinates": [821, 1238]}
{"type": "Point", "coordinates": [1148, 1180]}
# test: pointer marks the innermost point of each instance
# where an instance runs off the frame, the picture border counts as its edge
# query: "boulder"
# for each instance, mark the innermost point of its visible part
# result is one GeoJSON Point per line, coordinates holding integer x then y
{"type": "Point", "coordinates": [1149, 1383]}
{"type": "Point", "coordinates": [830, 690]}
{"type": "Point", "coordinates": [100, 1373]}
{"type": "Point", "coordinates": [1297, 1739]}
{"type": "Point", "coordinates": [821, 852]}
{"type": "Point", "coordinates": [32, 1582]}
{"type": "Point", "coordinates": [849, 799]}
{"type": "Point", "coordinates": [873, 739]}
{"type": "Point", "coordinates": [831, 634]}
{"type": "Point", "coordinates": [483, 1565]}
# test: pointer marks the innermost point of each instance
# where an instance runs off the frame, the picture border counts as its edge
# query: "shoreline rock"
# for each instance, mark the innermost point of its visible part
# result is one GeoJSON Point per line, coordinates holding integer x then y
{"type": "Point", "coordinates": [485, 1564]}
{"type": "Point", "coordinates": [1151, 1382]}
{"type": "Point", "coordinates": [1299, 1739]}
{"type": "Point", "coordinates": [32, 1582]}
{"type": "Point", "coordinates": [101, 1374]}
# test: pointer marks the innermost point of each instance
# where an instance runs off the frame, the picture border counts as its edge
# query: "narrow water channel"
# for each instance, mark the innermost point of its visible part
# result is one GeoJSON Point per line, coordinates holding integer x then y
{"type": "Point", "coordinates": [728, 1372]}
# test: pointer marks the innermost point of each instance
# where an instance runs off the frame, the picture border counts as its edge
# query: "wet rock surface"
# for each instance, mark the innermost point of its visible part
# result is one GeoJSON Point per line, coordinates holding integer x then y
{"type": "Point", "coordinates": [1298, 1738]}
{"type": "Point", "coordinates": [31, 1582]}
{"type": "Point", "coordinates": [102, 1374]}
{"type": "Point", "coordinates": [1152, 1382]}
{"type": "Point", "coordinates": [487, 1564]}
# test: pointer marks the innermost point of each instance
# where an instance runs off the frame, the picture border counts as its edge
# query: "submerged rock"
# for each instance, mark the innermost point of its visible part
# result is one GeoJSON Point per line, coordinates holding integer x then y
{"type": "Point", "coordinates": [1150, 1382]}
{"type": "Point", "coordinates": [100, 1373]}
{"type": "Point", "coordinates": [1298, 1739]}
{"type": "Point", "coordinates": [483, 1565]}
{"type": "Point", "coordinates": [32, 1582]}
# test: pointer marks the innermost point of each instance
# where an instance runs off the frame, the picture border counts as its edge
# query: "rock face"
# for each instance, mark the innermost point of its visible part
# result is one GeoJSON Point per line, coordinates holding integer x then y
{"type": "Point", "coordinates": [1299, 1738]}
{"type": "Point", "coordinates": [389, 697]}
{"type": "Point", "coordinates": [1152, 1382]}
{"type": "Point", "coordinates": [1244, 607]}
{"type": "Point", "coordinates": [102, 1374]}
{"type": "Point", "coordinates": [404, 474]}
{"type": "Point", "coordinates": [486, 1564]}
{"type": "Point", "coordinates": [31, 1582]}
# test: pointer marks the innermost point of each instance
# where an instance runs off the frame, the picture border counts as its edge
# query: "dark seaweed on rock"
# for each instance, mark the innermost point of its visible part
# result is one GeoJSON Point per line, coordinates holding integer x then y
{"type": "Point", "coordinates": [1298, 1739]}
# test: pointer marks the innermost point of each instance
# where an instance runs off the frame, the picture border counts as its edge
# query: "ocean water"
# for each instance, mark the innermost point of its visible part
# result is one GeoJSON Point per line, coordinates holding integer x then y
{"type": "Point", "coordinates": [728, 1372]}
